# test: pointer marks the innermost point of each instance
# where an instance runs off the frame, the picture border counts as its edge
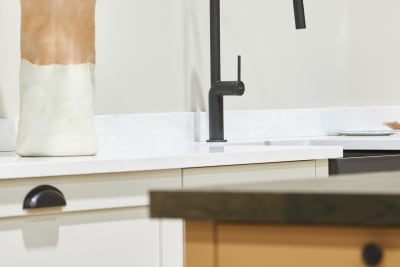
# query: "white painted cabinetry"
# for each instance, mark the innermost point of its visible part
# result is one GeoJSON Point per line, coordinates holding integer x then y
{"type": "Point", "coordinates": [105, 221]}
{"type": "Point", "coordinates": [239, 174]}
{"type": "Point", "coordinates": [116, 237]}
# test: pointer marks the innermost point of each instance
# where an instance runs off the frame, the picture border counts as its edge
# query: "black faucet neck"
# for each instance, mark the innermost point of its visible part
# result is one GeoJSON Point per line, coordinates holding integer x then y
{"type": "Point", "coordinates": [299, 14]}
{"type": "Point", "coordinates": [219, 88]}
{"type": "Point", "coordinates": [215, 42]}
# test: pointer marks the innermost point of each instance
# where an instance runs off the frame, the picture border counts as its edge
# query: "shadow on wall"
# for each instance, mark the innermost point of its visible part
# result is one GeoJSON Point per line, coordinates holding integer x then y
{"type": "Point", "coordinates": [197, 101]}
{"type": "Point", "coordinates": [2, 108]}
{"type": "Point", "coordinates": [195, 63]}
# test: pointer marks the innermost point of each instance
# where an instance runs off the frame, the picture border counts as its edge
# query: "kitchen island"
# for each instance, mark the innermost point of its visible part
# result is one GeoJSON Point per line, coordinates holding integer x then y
{"type": "Point", "coordinates": [351, 220]}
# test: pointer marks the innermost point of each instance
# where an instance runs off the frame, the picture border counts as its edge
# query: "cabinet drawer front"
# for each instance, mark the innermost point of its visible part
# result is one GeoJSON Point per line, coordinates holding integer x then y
{"type": "Point", "coordinates": [312, 246]}
{"type": "Point", "coordinates": [120, 237]}
{"type": "Point", "coordinates": [88, 192]}
{"type": "Point", "coordinates": [222, 175]}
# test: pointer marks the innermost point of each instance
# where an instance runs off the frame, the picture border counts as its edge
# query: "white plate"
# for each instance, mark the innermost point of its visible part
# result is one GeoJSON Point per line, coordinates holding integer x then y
{"type": "Point", "coordinates": [368, 133]}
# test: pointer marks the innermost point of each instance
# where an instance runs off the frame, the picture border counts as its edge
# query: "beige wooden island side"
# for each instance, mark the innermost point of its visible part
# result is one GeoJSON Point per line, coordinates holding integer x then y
{"type": "Point", "coordinates": [212, 244]}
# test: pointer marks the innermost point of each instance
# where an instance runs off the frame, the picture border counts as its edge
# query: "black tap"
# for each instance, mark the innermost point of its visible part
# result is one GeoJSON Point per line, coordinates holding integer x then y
{"type": "Point", "coordinates": [299, 17]}
{"type": "Point", "coordinates": [220, 88]}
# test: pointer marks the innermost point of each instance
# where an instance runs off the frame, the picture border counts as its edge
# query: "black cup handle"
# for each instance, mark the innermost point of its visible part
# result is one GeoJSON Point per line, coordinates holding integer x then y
{"type": "Point", "coordinates": [44, 196]}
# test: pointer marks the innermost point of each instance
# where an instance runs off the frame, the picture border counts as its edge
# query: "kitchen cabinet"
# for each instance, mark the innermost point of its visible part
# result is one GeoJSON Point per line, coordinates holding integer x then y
{"type": "Point", "coordinates": [116, 237]}
{"type": "Point", "coordinates": [237, 174]}
{"type": "Point", "coordinates": [105, 221]}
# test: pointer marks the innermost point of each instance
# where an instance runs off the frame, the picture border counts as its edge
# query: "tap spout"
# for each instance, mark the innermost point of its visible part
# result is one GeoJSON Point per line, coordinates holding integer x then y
{"type": "Point", "coordinates": [299, 16]}
{"type": "Point", "coordinates": [219, 88]}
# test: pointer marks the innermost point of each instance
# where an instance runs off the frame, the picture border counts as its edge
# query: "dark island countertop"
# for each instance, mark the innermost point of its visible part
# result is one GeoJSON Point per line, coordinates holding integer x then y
{"type": "Point", "coordinates": [362, 199]}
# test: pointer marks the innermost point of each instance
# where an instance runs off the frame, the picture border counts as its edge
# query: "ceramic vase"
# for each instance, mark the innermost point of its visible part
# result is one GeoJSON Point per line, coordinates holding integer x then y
{"type": "Point", "coordinates": [57, 82]}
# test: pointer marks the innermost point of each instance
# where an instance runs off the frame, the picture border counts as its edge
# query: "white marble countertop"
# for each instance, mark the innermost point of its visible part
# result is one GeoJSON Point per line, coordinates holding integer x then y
{"type": "Point", "coordinates": [156, 157]}
{"type": "Point", "coordinates": [192, 154]}
{"type": "Point", "coordinates": [360, 142]}
{"type": "Point", "coordinates": [133, 142]}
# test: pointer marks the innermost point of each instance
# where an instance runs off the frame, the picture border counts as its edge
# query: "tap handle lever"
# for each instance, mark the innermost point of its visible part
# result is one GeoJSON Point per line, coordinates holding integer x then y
{"type": "Point", "coordinates": [239, 67]}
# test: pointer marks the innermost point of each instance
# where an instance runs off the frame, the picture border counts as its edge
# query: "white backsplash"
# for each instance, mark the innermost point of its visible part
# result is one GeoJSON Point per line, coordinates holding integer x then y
{"type": "Point", "coordinates": [8, 134]}
{"type": "Point", "coordinates": [153, 129]}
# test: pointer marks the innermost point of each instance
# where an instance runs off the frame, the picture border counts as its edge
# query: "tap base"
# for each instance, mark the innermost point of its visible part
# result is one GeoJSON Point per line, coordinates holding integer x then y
{"type": "Point", "coordinates": [217, 141]}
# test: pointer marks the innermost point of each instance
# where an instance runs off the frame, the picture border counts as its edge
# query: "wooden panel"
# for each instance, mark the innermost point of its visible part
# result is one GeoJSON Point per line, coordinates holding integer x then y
{"type": "Point", "coordinates": [89, 192]}
{"type": "Point", "coordinates": [200, 244]}
{"type": "Point", "coordinates": [224, 175]}
{"type": "Point", "coordinates": [311, 246]}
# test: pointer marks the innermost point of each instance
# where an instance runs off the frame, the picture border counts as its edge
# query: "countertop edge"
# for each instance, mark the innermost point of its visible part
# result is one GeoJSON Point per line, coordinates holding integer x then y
{"type": "Point", "coordinates": [278, 208]}
{"type": "Point", "coordinates": [45, 167]}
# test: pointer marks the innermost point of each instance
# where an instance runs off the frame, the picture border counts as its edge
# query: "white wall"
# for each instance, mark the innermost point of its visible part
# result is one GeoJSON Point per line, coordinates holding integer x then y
{"type": "Point", "coordinates": [140, 59]}
{"type": "Point", "coordinates": [282, 67]}
{"type": "Point", "coordinates": [153, 56]}
{"type": "Point", "coordinates": [9, 57]}
{"type": "Point", "coordinates": [374, 52]}
{"type": "Point", "coordinates": [140, 63]}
